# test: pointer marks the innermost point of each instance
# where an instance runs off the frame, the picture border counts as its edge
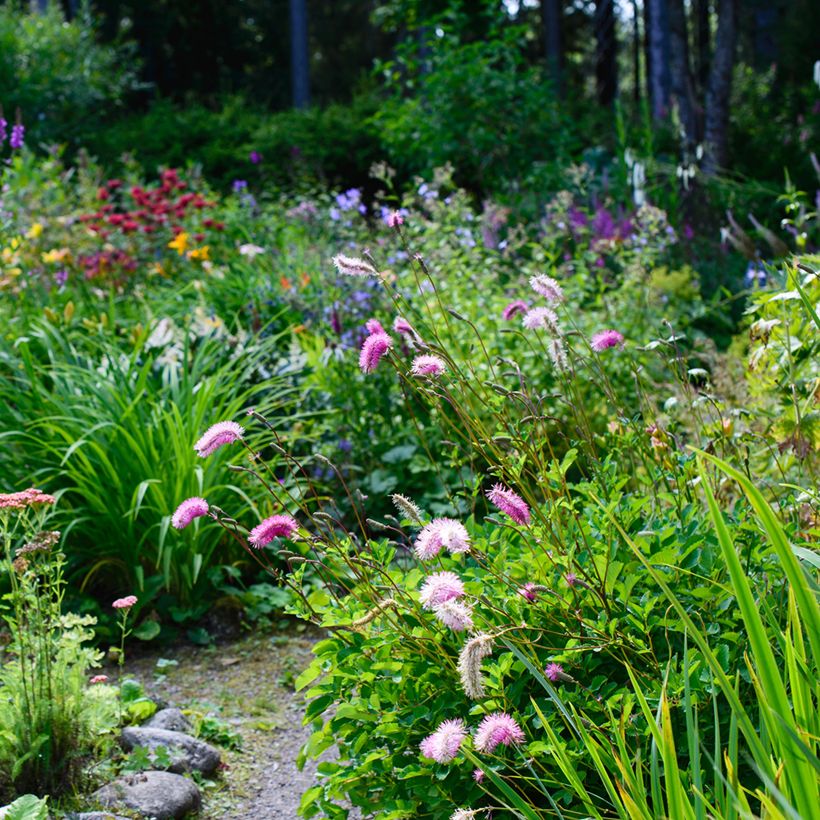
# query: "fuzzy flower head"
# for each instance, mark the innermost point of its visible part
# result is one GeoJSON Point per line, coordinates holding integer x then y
{"type": "Point", "coordinates": [511, 503]}
{"type": "Point", "coordinates": [555, 673]}
{"type": "Point", "coordinates": [541, 318]}
{"type": "Point", "coordinates": [558, 354]}
{"type": "Point", "coordinates": [440, 587]}
{"type": "Point", "coordinates": [373, 350]}
{"type": "Point", "coordinates": [407, 508]}
{"type": "Point", "coordinates": [455, 615]}
{"type": "Point", "coordinates": [401, 325]}
{"type": "Point", "coordinates": [395, 219]}
{"type": "Point", "coordinates": [442, 532]}
{"type": "Point", "coordinates": [98, 679]}
{"type": "Point", "coordinates": [513, 309]}
{"type": "Point", "coordinates": [428, 365]}
{"type": "Point", "coordinates": [188, 510]}
{"type": "Point", "coordinates": [529, 593]}
{"type": "Point", "coordinates": [605, 339]}
{"type": "Point", "coordinates": [469, 664]}
{"type": "Point", "coordinates": [373, 326]}
{"type": "Point", "coordinates": [277, 526]}
{"type": "Point", "coordinates": [353, 266]}
{"type": "Point", "coordinates": [478, 775]}
{"type": "Point", "coordinates": [497, 729]}
{"type": "Point", "coordinates": [443, 745]}
{"type": "Point", "coordinates": [547, 287]}
{"type": "Point", "coordinates": [468, 814]}
{"type": "Point", "coordinates": [125, 603]}
{"type": "Point", "coordinates": [223, 432]}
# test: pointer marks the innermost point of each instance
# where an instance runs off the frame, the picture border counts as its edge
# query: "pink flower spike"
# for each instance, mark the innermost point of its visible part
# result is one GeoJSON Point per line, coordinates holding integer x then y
{"type": "Point", "coordinates": [440, 587]}
{"type": "Point", "coordinates": [555, 673]}
{"type": "Point", "coordinates": [478, 775]}
{"type": "Point", "coordinates": [428, 365]}
{"type": "Point", "coordinates": [395, 219]}
{"type": "Point", "coordinates": [547, 287]}
{"type": "Point", "coordinates": [125, 603]}
{"type": "Point", "coordinates": [455, 615]}
{"type": "Point", "coordinates": [513, 309]}
{"type": "Point", "coordinates": [497, 729]}
{"type": "Point", "coordinates": [223, 432]}
{"type": "Point", "coordinates": [542, 318]}
{"type": "Point", "coordinates": [442, 532]}
{"type": "Point", "coordinates": [528, 592]}
{"type": "Point", "coordinates": [571, 578]}
{"type": "Point", "coordinates": [374, 326]}
{"type": "Point", "coordinates": [374, 348]}
{"type": "Point", "coordinates": [401, 325]}
{"type": "Point", "coordinates": [188, 510]}
{"type": "Point", "coordinates": [98, 679]}
{"type": "Point", "coordinates": [606, 339]}
{"type": "Point", "coordinates": [511, 503]}
{"type": "Point", "coordinates": [277, 526]}
{"type": "Point", "coordinates": [443, 745]}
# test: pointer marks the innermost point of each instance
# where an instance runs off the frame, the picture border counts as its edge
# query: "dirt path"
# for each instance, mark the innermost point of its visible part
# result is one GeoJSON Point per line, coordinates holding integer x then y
{"type": "Point", "coordinates": [248, 684]}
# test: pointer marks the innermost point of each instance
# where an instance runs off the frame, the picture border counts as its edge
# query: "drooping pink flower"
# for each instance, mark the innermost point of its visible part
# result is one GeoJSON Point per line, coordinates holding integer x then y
{"type": "Point", "coordinates": [374, 348]}
{"type": "Point", "coordinates": [277, 526]}
{"type": "Point", "coordinates": [440, 587]}
{"type": "Point", "coordinates": [401, 325]}
{"type": "Point", "coordinates": [98, 679]}
{"type": "Point", "coordinates": [125, 603]}
{"type": "Point", "coordinates": [428, 365]}
{"type": "Point", "coordinates": [374, 326]}
{"type": "Point", "coordinates": [395, 219]}
{"type": "Point", "coordinates": [547, 287]}
{"type": "Point", "coordinates": [555, 673]}
{"type": "Point", "coordinates": [353, 266]}
{"type": "Point", "coordinates": [497, 729]}
{"type": "Point", "coordinates": [510, 502]}
{"type": "Point", "coordinates": [188, 510]}
{"type": "Point", "coordinates": [443, 745]}
{"type": "Point", "coordinates": [442, 532]}
{"type": "Point", "coordinates": [571, 578]}
{"type": "Point", "coordinates": [455, 615]}
{"type": "Point", "coordinates": [543, 318]}
{"type": "Point", "coordinates": [513, 309]}
{"type": "Point", "coordinates": [528, 592]}
{"type": "Point", "coordinates": [605, 339]}
{"type": "Point", "coordinates": [223, 432]}
{"type": "Point", "coordinates": [478, 775]}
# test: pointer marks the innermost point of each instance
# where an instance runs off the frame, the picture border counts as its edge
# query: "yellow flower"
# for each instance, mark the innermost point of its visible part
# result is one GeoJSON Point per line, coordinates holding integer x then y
{"type": "Point", "coordinates": [200, 254]}
{"type": "Point", "coordinates": [179, 243]}
{"type": "Point", "coordinates": [56, 255]}
{"type": "Point", "coordinates": [35, 231]}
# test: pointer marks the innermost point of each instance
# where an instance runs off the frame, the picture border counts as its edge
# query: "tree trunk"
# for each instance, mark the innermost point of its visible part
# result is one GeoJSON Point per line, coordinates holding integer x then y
{"type": "Point", "coordinates": [682, 85]}
{"type": "Point", "coordinates": [658, 48]}
{"type": "Point", "coordinates": [551, 13]}
{"type": "Point", "coordinates": [716, 128]}
{"type": "Point", "coordinates": [299, 54]}
{"type": "Point", "coordinates": [606, 52]}
{"type": "Point", "coordinates": [636, 50]}
{"type": "Point", "coordinates": [703, 44]}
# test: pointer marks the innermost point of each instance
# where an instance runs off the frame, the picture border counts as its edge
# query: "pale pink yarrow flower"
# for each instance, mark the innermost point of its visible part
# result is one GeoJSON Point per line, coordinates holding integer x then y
{"type": "Point", "coordinates": [547, 287]}
{"type": "Point", "coordinates": [277, 526]}
{"type": "Point", "coordinates": [374, 348]}
{"type": "Point", "coordinates": [442, 532]}
{"type": "Point", "coordinates": [223, 432]}
{"type": "Point", "coordinates": [428, 365]}
{"type": "Point", "coordinates": [443, 745]}
{"type": "Point", "coordinates": [497, 729]}
{"type": "Point", "coordinates": [353, 266]}
{"type": "Point", "coordinates": [99, 679]}
{"type": "Point", "coordinates": [605, 339]}
{"type": "Point", "coordinates": [455, 615]}
{"type": "Point", "coordinates": [125, 603]}
{"type": "Point", "coordinates": [440, 587]}
{"type": "Point", "coordinates": [541, 318]}
{"type": "Point", "coordinates": [513, 309]}
{"type": "Point", "coordinates": [395, 219]}
{"type": "Point", "coordinates": [401, 325]}
{"type": "Point", "coordinates": [510, 502]}
{"type": "Point", "coordinates": [374, 326]}
{"type": "Point", "coordinates": [188, 510]}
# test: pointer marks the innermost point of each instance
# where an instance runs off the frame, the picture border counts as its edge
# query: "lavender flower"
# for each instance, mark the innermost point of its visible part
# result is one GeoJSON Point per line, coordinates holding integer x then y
{"type": "Point", "coordinates": [547, 287]}
{"type": "Point", "coordinates": [442, 532]}
{"type": "Point", "coordinates": [455, 615]}
{"type": "Point", "coordinates": [18, 133]}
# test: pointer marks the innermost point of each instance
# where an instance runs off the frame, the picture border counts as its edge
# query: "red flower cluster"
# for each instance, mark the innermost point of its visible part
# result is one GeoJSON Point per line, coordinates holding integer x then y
{"type": "Point", "coordinates": [103, 262]}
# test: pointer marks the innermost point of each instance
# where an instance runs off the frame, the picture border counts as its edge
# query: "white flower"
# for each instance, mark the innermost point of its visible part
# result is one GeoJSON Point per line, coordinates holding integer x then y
{"type": "Point", "coordinates": [250, 250]}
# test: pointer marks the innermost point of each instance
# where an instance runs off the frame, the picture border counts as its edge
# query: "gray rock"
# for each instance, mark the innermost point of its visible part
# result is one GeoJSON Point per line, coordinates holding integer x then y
{"type": "Point", "coordinates": [187, 753]}
{"type": "Point", "coordinates": [160, 795]}
{"type": "Point", "coordinates": [171, 719]}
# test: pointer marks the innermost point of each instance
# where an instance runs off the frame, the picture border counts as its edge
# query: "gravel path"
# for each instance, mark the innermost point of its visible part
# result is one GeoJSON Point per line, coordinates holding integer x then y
{"type": "Point", "coordinates": [247, 683]}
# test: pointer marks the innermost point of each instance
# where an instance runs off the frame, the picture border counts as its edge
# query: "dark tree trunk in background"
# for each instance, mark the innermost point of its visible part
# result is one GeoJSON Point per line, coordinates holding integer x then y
{"type": "Point", "coordinates": [299, 54]}
{"type": "Point", "coordinates": [551, 13]}
{"type": "Point", "coordinates": [636, 50]}
{"type": "Point", "coordinates": [606, 52]}
{"type": "Point", "coordinates": [681, 82]}
{"type": "Point", "coordinates": [716, 128]}
{"type": "Point", "coordinates": [703, 44]}
{"type": "Point", "coordinates": [657, 34]}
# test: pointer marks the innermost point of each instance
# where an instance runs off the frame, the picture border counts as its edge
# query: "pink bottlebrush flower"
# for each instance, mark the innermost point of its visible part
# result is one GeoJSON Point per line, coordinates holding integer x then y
{"type": "Point", "coordinates": [547, 287]}
{"type": "Point", "coordinates": [374, 348]}
{"type": "Point", "coordinates": [497, 729]}
{"type": "Point", "coordinates": [558, 354]}
{"type": "Point", "coordinates": [395, 219]}
{"type": "Point", "coordinates": [478, 775]}
{"type": "Point", "coordinates": [513, 309]}
{"type": "Point", "coordinates": [374, 326]}
{"type": "Point", "coordinates": [188, 510]}
{"type": "Point", "coordinates": [440, 587]}
{"type": "Point", "coordinates": [529, 593]}
{"type": "Point", "coordinates": [541, 318]}
{"type": "Point", "coordinates": [353, 266]}
{"type": "Point", "coordinates": [277, 526]}
{"type": "Point", "coordinates": [223, 432]}
{"type": "Point", "coordinates": [571, 578]}
{"type": "Point", "coordinates": [428, 365]}
{"type": "Point", "coordinates": [401, 325]}
{"type": "Point", "coordinates": [442, 532]}
{"type": "Point", "coordinates": [125, 603]}
{"type": "Point", "coordinates": [510, 502]}
{"type": "Point", "coordinates": [455, 615]}
{"type": "Point", "coordinates": [98, 679]}
{"type": "Point", "coordinates": [555, 673]}
{"type": "Point", "coordinates": [443, 745]}
{"type": "Point", "coordinates": [606, 339]}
